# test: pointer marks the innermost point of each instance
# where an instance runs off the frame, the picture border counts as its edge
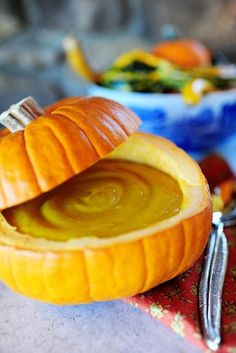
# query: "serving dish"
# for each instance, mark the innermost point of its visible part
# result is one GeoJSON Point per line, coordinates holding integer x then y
{"type": "Point", "coordinates": [194, 106]}
{"type": "Point", "coordinates": [192, 127]}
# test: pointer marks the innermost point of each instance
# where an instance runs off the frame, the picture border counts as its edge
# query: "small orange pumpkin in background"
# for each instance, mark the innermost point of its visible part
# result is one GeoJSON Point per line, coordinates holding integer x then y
{"type": "Point", "coordinates": [72, 135]}
{"type": "Point", "coordinates": [186, 53]}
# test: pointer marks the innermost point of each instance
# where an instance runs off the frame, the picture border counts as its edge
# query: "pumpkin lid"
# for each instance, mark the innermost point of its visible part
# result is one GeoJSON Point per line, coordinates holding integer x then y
{"type": "Point", "coordinates": [44, 148]}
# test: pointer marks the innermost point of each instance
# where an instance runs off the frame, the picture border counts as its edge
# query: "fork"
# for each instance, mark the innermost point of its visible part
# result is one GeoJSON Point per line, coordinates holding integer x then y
{"type": "Point", "coordinates": [213, 275]}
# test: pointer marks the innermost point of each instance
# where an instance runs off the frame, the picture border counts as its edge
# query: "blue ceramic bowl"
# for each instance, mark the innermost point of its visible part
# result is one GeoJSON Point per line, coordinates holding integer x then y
{"type": "Point", "coordinates": [194, 128]}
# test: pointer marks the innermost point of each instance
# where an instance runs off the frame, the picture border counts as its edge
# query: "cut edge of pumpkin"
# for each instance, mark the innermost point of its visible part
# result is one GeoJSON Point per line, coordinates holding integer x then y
{"type": "Point", "coordinates": [142, 148]}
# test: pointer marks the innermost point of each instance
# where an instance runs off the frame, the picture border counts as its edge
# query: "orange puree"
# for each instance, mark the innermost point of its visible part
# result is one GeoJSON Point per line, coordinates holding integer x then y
{"type": "Point", "coordinates": [110, 198]}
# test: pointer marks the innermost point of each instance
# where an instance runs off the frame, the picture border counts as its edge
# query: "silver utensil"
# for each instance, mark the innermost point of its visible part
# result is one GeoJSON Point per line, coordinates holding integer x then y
{"type": "Point", "coordinates": [213, 275]}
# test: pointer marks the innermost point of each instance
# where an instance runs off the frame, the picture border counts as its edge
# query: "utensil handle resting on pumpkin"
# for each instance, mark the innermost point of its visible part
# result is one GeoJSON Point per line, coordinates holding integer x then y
{"type": "Point", "coordinates": [211, 286]}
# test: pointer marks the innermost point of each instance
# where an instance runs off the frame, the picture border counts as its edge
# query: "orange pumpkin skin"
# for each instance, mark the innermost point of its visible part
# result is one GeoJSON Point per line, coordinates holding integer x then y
{"type": "Point", "coordinates": [122, 268]}
{"type": "Point", "coordinates": [71, 136]}
{"type": "Point", "coordinates": [186, 53]}
{"type": "Point", "coordinates": [95, 275]}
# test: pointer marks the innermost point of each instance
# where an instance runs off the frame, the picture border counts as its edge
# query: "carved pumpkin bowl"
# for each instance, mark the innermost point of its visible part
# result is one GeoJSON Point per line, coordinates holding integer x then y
{"type": "Point", "coordinates": [89, 213]}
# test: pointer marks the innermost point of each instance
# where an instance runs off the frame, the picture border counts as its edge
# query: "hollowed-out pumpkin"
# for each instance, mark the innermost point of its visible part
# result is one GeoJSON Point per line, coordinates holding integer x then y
{"type": "Point", "coordinates": [53, 155]}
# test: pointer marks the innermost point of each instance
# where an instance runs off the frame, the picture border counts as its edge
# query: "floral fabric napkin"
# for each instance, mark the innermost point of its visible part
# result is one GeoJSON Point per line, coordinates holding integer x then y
{"type": "Point", "coordinates": [175, 303]}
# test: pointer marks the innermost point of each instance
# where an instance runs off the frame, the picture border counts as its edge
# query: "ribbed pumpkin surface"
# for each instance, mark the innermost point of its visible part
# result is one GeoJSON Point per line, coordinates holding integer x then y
{"type": "Point", "coordinates": [73, 134]}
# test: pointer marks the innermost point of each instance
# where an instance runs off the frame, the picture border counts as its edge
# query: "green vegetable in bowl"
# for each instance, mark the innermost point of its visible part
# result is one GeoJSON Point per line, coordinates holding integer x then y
{"type": "Point", "coordinates": [139, 71]}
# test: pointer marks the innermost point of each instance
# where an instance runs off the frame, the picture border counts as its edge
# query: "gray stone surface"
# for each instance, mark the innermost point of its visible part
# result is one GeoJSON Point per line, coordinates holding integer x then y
{"type": "Point", "coordinates": [10, 23]}
{"type": "Point", "coordinates": [212, 21]}
{"type": "Point", "coordinates": [86, 15]}
{"type": "Point", "coordinates": [27, 326]}
{"type": "Point", "coordinates": [13, 89]}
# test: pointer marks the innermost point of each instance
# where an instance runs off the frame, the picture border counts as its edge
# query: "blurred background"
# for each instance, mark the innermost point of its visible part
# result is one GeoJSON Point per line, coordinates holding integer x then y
{"type": "Point", "coordinates": [31, 35]}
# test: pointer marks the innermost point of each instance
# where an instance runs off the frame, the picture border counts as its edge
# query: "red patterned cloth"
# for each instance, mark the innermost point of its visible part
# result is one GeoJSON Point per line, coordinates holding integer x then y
{"type": "Point", "coordinates": [175, 303]}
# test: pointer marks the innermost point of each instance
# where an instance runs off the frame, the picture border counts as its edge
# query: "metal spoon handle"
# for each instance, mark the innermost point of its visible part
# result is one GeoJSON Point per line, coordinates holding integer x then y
{"type": "Point", "coordinates": [211, 286]}
{"type": "Point", "coordinates": [217, 282]}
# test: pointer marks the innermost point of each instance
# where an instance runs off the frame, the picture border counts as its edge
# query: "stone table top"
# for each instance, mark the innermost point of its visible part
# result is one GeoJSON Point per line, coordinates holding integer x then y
{"type": "Point", "coordinates": [27, 326]}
